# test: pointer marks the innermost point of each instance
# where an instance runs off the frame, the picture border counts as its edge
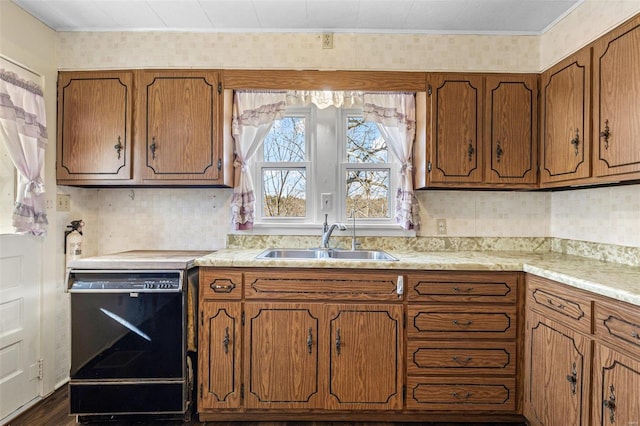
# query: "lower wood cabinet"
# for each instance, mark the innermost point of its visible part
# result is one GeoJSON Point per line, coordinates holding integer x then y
{"type": "Point", "coordinates": [582, 357]}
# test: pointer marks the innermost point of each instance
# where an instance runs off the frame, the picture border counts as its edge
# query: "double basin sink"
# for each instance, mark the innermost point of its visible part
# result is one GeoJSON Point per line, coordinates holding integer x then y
{"type": "Point", "coordinates": [321, 253]}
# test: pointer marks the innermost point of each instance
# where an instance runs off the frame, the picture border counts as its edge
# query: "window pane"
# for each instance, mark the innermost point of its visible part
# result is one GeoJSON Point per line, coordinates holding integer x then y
{"type": "Point", "coordinates": [365, 144]}
{"type": "Point", "coordinates": [368, 193]}
{"type": "Point", "coordinates": [284, 193]}
{"type": "Point", "coordinates": [286, 140]}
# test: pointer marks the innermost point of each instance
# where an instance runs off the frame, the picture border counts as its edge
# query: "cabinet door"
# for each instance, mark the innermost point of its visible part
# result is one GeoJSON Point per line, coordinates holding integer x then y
{"type": "Point", "coordinates": [564, 119]}
{"type": "Point", "coordinates": [511, 129]}
{"type": "Point", "coordinates": [616, 98]}
{"type": "Point", "coordinates": [94, 126]}
{"type": "Point", "coordinates": [456, 128]}
{"type": "Point", "coordinates": [615, 384]}
{"type": "Point", "coordinates": [282, 360]}
{"type": "Point", "coordinates": [556, 383]}
{"type": "Point", "coordinates": [178, 126]}
{"type": "Point", "coordinates": [365, 367]}
{"type": "Point", "coordinates": [219, 355]}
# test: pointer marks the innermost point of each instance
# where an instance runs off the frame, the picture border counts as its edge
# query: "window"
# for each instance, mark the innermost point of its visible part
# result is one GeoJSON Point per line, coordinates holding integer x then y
{"type": "Point", "coordinates": [324, 161]}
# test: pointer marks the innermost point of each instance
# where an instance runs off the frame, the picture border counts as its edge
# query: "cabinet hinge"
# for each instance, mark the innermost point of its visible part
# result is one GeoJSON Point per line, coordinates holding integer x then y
{"type": "Point", "coordinates": [219, 163]}
{"type": "Point", "coordinates": [404, 393]}
{"type": "Point", "coordinates": [242, 319]}
{"type": "Point", "coordinates": [429, 166]}
{"type": "Point", "coordinates": [40, 369]}
{"type": "Point", "coordinates": [201, 391]}
{"type": "Point", "coordinates": [219, 87]}
{"type": "Point", "coordinates": [202, 318]}
{"type": "Point", "coordinates": [242, 391]}
{"type": "Point", "coordinates": [429, 90]}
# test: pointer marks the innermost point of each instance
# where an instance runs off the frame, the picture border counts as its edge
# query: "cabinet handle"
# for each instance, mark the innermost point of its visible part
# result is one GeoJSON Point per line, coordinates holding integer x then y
{"type": "Point", "coordinates": [225, 341]}
{"type": "Point", "coordinates": [576, 141]}
{"type": "Point", "coordinates": [611, 405]}
{"type": "Point", "coordinates": [573, 379]}
{"type": "Point", "coordinates": [463, 290]}
{"type": "Point", "coordinates": [222, 288]}
{"type": "Point", "coordinates": [118, 147]}
{"type": "Point", "coordinates": [338, 341]}
{"type": "Point", "coordinates": [550, 303]}
{"type": "Point", "coordinates": [499, 151]}
{"type": "Point", "coordinates": [605, 134]}
{"type": "Point", "coordinates": [465, 396]}
{"type": "Point", "coordinates": [310, 340]}
{"type": "Point", "coordinates": [470, 150]}
{"type": "Point", "coordinates": [463, 324]}
{"type": "Point", "coordinates": [461, 361]}
{"type": "Point", "coordinates": [153, 148]}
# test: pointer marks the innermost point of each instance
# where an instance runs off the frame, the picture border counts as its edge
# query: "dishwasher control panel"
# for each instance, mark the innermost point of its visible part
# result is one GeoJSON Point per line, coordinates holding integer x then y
{"type": "Point", "coordinates": [80, 280]}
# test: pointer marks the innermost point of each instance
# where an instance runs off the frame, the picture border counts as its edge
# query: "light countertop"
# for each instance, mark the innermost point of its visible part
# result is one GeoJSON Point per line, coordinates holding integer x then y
{"type": "Point", "coordinates": [609, 279]}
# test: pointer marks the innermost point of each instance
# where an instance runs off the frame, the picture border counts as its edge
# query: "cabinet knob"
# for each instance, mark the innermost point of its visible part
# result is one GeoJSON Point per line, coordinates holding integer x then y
{"type": "Point", "coordinates": [605, 134]}
{"type": "Point", "coordinates": [118, 147]}
{"type": "Point", "coordinates": [576, 142]}
{"type": "Point", "coordinates": [153, 148]}
{"type": "Point", "coordinates": [573, 379]}
{"type": "Point", "coordinates": [610, 404]}
{"type": "Point", "coordinates": [499, 152]}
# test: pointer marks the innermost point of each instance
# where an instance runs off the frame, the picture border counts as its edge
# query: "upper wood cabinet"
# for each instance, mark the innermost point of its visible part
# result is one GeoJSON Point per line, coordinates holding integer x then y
{"type": "Point", "coordinates": [94, 126]}
{"type": "Point", "coordinates": [178, 136]}
{"type": "Point", "coordinates": [455, 128]}
{"type": "Point", "coordinates": [482, 131]}
{"type": "Point", "coordinates": [616, 98]}
{"type": "Point", "coordinates": [511, 129]}
{"type": "Point", "coordinates": [564, 120]}
{"type": "Point", "coordinates": [142, 128]}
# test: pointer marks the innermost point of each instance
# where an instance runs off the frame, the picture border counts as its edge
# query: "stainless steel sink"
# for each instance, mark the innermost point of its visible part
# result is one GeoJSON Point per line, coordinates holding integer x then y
{"type": "Point", "coordinates": [319, 253]}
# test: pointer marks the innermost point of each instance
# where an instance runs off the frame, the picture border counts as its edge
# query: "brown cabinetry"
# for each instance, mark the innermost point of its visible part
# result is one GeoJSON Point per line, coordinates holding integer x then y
{"type": "Point", "coordinates": [616, 99]}
{"type": "Point", "coordinates": [281, 340]}
{"type": "Point", "coordinates": [94, 127]}
{"type": "Point", "coordinates": [564, 121]}
{"type": "Point", "coordinates": [482, 130]}
{"type": "Point", "coordinates": [178, 135]}
{"type": "Point", "coordinates": [462, 343]}
{"type": "Point", "coordinates": [141, 128]}
{"type": "Point", "coordinates": [557, 354]}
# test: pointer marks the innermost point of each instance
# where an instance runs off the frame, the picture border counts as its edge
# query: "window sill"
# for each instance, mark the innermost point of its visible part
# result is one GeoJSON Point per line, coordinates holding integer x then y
{"type": "Point", "coordinates": [362, 230]}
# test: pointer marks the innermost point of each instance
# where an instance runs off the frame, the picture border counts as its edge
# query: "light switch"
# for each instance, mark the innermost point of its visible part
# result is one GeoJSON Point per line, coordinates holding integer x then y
{"type": "Point", "coordinates": [326, 202]}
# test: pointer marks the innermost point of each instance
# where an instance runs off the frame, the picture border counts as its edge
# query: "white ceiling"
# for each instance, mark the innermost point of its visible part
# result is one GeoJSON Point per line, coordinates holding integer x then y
{"type": "Point", "coordinates": [527, 17]}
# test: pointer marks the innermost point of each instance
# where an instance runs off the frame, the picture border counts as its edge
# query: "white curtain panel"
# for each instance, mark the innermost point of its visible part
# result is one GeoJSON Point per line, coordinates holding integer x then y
{"type": "Point", "coordinates": [23, 130]}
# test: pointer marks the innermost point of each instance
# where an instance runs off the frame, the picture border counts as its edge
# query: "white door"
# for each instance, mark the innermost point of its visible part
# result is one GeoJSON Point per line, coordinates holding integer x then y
{"type": "Point", "coordinates": [20, 270]}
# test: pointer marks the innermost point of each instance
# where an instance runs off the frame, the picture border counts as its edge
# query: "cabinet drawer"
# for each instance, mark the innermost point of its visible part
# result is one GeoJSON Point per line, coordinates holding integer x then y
{"type": "Point", "coordinates": [220, 284]}
{"type": "Point", "coordinates": [461, 394]}
{"type": "Point", "coordinates": [557, 301]}
{"type": "Point", "coordinates": [619, 324]}
{"type": "Point", "coordinates": [455, 357]}
{"type": "Point", "coordinates": [321, 284]}
{"type": "Point", "coordinates": [489, 287]}
{"type": "Point", "coordinates": [455, 321]}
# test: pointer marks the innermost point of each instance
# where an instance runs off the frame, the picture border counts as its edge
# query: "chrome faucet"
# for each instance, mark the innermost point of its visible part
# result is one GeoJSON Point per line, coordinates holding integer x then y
{"type": "Point", "coordinates": [328, 230]}
{"type": "Point", "coordinates": [354, 242]}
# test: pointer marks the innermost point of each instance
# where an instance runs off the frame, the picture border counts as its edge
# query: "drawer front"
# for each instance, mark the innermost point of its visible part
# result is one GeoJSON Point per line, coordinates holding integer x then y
{"type": "Point", "coordinates": [489, 287]}
{"type": "Point", "coordinates": [560, 302]}
{"type": "Point", "coordinates": [456, 321]}
{"type": "Point", "coordinates": [220, 284]}
{"type": "Point", "coordinates": [461, 394]}
{"type": "Point", "coordinates": [619, 324]}
{"type": "Point", "coordinates": [454, 357]}
{"type": "Point", "coordinates": [309, 284]}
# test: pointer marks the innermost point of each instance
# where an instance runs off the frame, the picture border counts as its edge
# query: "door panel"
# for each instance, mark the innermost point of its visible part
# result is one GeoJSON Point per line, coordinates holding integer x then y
{"type": "Point", "coordinates": [19, 329]}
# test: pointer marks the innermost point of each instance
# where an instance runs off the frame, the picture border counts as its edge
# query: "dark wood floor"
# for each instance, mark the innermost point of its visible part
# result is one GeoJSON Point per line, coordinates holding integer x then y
{"type": "Point", "coordinates": [53, 411]}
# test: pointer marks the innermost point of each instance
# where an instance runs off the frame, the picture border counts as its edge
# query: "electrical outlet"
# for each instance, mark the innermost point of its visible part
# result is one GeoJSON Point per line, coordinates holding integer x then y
{"type": "Point", "coordinates": [327, 41]}
{"type": "Point", "coordinates": [442, 226]}
{"type": "Point", "coordinates": [63, 202]}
